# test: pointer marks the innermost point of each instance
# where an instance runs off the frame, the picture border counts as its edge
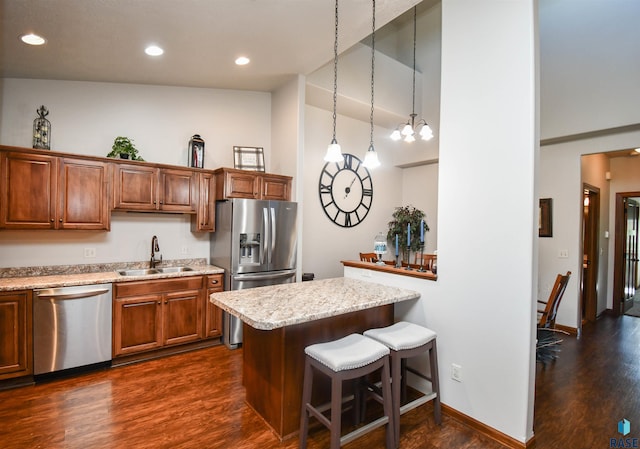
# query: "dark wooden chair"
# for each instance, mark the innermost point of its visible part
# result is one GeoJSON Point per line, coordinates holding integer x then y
{"type": "Point", "coordinates": [547, 335]}
{"type": "Point", "coordinates": [368, 257]}
{"type": "Point", "coordinates": [547, 316]}
{"type": "Point", "coordinates": [426, 260]}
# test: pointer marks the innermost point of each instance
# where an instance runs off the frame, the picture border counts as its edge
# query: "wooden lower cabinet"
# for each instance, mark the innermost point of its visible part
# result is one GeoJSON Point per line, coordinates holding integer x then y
{"type": "Point", "coordinates": [149, 315]}
{"type": "Point", "coordinates": [16, 348]}
{"type": "Point", "coordinates": [213, 321]}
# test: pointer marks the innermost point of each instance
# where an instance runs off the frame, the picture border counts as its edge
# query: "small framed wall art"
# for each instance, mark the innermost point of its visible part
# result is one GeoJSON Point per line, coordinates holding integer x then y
{"type": "Point", "coordinates": [248, 158]}
{"type": "Point", "coordinates": [545, 218]}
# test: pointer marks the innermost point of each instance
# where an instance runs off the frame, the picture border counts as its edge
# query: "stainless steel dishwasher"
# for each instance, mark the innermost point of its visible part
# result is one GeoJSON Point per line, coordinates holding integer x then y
{"type": "Point", "coordinates": [71, 327]}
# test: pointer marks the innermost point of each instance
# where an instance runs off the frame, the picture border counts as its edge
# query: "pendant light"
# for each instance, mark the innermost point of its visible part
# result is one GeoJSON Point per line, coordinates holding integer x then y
{"type": "Point", "coordinates": [411, 128]}
{"type": "Point", "coordinates": [371, 158]}
{"type": "Point", "coordinates": [334, 153]}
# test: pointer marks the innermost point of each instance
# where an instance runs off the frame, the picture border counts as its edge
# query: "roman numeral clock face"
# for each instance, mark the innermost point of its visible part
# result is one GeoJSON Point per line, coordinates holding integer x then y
{"type": "Point", "coordinates": [346, 191]}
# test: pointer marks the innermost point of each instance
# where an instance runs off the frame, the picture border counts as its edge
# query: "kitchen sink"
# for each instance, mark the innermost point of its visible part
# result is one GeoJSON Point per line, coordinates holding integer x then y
{"type": "Point", "coordinates": [174, 269]}
{"type": "Point", "coordinates": [142, 272]}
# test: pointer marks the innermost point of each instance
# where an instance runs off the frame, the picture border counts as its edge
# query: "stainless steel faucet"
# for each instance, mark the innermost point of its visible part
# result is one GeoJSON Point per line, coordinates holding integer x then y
{"type": "Point", "coordinates": [155, 248]}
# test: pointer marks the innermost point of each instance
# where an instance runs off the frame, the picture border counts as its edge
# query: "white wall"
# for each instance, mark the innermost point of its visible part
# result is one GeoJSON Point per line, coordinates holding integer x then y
{"type": "Point", "coordinates": [487, 217]}
{"type": "Point", "coordinates": [86, 117]}
{"type": "Point", "coordinates": [589, 65]}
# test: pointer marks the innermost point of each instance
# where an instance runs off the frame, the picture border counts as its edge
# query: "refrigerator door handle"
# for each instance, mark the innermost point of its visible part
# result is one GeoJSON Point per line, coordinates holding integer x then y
{"type": "Point", "coordinates": [261, 277]}
{"type": "Point", "coordinates": [273, 232]}
{"type": "Point", "coordinates": [265, 235]}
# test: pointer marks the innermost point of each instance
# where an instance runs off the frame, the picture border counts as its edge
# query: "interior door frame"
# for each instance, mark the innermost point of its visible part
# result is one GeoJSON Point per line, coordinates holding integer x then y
{"type": "Point", "coordinates": [618, 258]}
{"type": "Point", "coordinates": [590, 245]}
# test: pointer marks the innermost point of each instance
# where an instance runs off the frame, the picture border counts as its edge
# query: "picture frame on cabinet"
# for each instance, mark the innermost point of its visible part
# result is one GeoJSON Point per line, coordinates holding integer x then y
{"type": "Point", "coordinates": [545, 222]}
{"type": "Point", "coordinates": [248, 158]}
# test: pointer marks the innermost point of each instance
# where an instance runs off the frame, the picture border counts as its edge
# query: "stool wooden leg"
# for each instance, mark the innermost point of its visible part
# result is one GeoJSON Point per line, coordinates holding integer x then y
{"type": "Point", "coordinates": [435, 383]}
{"type": "Point", "coordinates": [306, 399]}
{"type": "Point", "coordinates": [336, 412]}
{"type": "Point", "coordinates": [396, 384]}
{"type": "Point", "coordinates": [389, 408]}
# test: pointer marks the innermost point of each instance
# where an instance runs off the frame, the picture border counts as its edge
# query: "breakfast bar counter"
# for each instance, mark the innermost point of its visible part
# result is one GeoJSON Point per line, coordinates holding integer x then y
{"type": "Point", "coordinates": [281, 320]}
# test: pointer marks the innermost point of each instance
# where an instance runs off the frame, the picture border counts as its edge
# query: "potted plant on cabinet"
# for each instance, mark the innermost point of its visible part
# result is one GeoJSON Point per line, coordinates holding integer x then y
{"type": "Point", "coordinates": [403, 218]}
{"type": "Point", "coordinates": [123, 148]}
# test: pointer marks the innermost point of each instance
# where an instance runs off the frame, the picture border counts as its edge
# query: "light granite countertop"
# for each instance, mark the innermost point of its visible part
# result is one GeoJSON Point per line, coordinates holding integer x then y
{"type": "Point", "coordinates": [65, 276]}
{"type": "Point", "coordinates": [276, 306]}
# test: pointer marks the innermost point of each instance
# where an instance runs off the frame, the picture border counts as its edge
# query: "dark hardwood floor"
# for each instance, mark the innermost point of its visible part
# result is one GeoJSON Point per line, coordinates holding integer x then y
{"type": "Point", "coordinates": [195, 400]}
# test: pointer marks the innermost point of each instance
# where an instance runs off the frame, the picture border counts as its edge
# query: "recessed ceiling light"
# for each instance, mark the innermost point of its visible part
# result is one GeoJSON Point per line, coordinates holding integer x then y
{"type": "Point", "coordinates": [637, 150]}
{"type": "Point", "coordinates": [33, 39]}
{"type": "Point", "coordinates": [242, 60]}
{"type": "Point", "coordinates": [153, 50]}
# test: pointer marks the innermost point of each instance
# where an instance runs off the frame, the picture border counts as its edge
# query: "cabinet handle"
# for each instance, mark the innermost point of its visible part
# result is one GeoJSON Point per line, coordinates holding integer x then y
{"type": "Point", "coordinates": [166, 302]}
{"type": "Point", "coordinates": [159, 302]}
{"type": "Point", "coordinates": [214, 282]}
{"type": "Point", "coordinates": [61, 220]}
{"type": "Point", "coordinates": [52, 220]}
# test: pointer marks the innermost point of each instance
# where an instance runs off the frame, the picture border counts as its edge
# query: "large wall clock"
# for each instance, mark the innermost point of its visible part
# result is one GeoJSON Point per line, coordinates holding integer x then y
{"type": "Point", "coordinates": [346, 191]}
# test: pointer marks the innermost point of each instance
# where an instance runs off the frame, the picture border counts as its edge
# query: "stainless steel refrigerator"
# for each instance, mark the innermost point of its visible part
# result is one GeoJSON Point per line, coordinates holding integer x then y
{"type": "Point", "coordinates": [255, 242]}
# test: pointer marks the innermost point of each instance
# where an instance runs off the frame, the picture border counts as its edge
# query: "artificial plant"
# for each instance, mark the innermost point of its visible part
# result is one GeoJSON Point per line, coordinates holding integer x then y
{"type": "Point", "coordinates": [124, 145]}
{"type": "Point", "coordinates": [403, 216]}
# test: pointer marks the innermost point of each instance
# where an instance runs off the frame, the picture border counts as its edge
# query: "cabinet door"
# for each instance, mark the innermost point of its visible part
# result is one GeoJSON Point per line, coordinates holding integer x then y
{"type": "Point", "coordinates": [137, 324]}
{"type": "Point", "coordinates": [83, 193]}
{"type": "Point", "coordinates": [177, 191]}
{"type": "Point", "coordinates": [205, 218]}
{"type": "Point", "coordinates": [16, 330]}
{"type": "Point", "coordinates": [182, 317]}
{"type": "Point", "coordinates": [213, 320]}
{"type": "Point", "coordinates": [28, 191]}
{"type": "Point", "coordinates": [135, 187]}
{"type": "Point", "coordinates": [276, 188]}
{"type": "Point", "coordinates": [241, 185]}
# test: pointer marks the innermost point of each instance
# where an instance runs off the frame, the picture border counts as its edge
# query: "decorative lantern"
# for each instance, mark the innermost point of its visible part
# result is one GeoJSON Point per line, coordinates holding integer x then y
{"type": "Point", "coordinates": [196, 151]}
{"type": "Point", "coordinates": [42, 130]}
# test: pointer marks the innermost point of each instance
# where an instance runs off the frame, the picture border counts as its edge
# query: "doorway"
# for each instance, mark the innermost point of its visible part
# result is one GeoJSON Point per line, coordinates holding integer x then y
{"type": "Point", "coordinates": [590, 248]}
{"type": "Point", "coordinates": [625, 271]}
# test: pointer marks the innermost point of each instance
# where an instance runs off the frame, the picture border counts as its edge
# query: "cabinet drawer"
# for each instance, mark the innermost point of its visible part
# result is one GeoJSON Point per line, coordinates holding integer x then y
{"type": "Point", "coordinates": [215, 282]}
{"type": "Point", "coordinates": [157, 286]}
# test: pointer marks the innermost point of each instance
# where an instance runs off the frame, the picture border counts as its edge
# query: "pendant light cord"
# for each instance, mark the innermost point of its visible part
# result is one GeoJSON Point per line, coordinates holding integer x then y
{"type": "Point", "coordinates": [373, 53]}
{"type": "Point", "coordinates": [413, 105]}
{"type": "Point", "coordinates": [335, 74]}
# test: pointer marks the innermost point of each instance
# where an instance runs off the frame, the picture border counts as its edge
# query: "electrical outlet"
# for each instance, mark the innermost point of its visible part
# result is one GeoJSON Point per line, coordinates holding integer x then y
{"type": "Point", "coordinates": [184, 249]}
{"type": "Point", "coordinates": [89, 253]}
{"type": "Point", "coordinates": [456, 372]}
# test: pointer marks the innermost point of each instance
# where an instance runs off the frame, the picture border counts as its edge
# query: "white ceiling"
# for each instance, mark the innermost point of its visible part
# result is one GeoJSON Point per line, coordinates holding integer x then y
{"type": "Point", "coordinates": [104, 40]}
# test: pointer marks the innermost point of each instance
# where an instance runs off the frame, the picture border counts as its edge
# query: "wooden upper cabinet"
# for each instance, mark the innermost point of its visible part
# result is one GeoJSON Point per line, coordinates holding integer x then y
{"type": "Point", "coordinates": [275, 187]}
{"type": "Point", "coordinates": [47, 192]}
{"type": "Point", "coordinates": [84, 194]}
{"type": "Point", "coordinates": [233, 183]}
{"type": "Point", "coordinates": [178, 189]}
{"type": "Point", "coordinates": [205, 218]}
{"type": "Point", "coordinates": [147, 188]}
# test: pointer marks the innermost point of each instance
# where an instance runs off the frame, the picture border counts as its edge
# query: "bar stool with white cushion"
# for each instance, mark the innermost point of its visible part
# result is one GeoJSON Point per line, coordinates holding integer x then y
{"type": "Point", "coordinates": [407, 340]}
{"type": "Point", "coordinates": [347, 358]}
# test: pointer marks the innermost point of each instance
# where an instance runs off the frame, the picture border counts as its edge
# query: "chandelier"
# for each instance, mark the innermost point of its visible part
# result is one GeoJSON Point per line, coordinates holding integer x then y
{"type": "Point", "coordinates": [409, 130]}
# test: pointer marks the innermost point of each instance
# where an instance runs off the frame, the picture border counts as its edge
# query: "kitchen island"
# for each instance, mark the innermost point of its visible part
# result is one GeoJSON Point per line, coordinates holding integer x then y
{"type": "Point", "coordinates": [281, 320]}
